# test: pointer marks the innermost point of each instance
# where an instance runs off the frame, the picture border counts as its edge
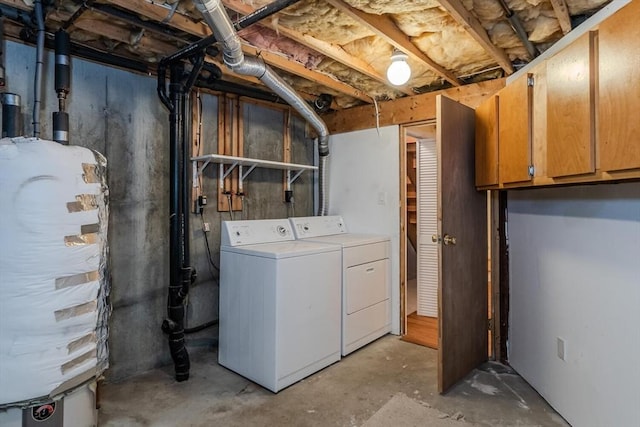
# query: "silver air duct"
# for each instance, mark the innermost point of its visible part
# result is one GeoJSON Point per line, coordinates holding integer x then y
{"type": "Point", "coordinates": [216, 17]}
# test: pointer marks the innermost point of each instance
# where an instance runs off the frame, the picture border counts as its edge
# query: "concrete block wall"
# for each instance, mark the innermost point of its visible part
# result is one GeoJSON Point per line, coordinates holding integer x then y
{"type": "Point", "coordinates": [119, 114]}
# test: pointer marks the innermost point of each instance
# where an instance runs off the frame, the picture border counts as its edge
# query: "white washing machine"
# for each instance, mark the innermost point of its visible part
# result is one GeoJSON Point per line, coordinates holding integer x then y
{"type": "Point", "coordinates": [280, 303]}
{"type": "Point", "coordinates": [366, 277]}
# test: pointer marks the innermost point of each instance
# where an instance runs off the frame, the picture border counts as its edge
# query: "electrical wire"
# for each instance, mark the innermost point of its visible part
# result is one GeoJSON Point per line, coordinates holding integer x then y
{"type": "Point", "coordinates": [206, 241]}
{"type": "Point", "coordinates": [230, 207]}
{"type": "Point", "coordinates": [375, 103]}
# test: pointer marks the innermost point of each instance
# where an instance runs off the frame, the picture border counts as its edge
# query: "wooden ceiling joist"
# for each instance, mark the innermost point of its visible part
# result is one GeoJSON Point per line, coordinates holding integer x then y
{"type": "Point", "coordinates": [156, 12]}
{"type": "Point", "coordinates": [90, 23]}
{"type": "Point", "coordinates": [295, 67]}
{"type": "Point", "coordinates": [562, 13]}
{"type": "Point", "coordinates": [385, 28]}
{"type": "Point", "coordinates": [327, 49]}
{"type": "Point", "coordinates": [465, 18]}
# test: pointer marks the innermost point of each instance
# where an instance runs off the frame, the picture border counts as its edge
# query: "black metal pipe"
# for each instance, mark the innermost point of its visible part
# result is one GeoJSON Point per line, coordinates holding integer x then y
{"type": "Point", "coordinates": [38, 11]}
{"type": "Point", "coordinates": [162, 87]}
{"type": "Point", "coordinates": [517, 27]}
{"type": "Point", "coordinates": [11, 115]}
{"type": "Point", "coordinates": [16, 14]}
{"type": "Point", "coordinates": [2, 69]}
{"type": "Point", "coordinates": [263, 12]}
{"type": "Point", "coordinates": [62, 85]}
{"type": "Point", "coordinates": [190, 50]}
{"type": "Point", "coordinates": [174, 324]}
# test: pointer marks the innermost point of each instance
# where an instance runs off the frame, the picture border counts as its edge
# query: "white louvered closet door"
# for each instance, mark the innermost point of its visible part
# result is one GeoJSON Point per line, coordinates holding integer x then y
{"type": "Point", "coordinates": [427, 251]}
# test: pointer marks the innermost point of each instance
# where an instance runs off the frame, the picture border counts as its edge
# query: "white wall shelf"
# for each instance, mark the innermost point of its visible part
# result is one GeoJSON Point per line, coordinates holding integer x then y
{"type": "Point", "coordinates": [293, 170]}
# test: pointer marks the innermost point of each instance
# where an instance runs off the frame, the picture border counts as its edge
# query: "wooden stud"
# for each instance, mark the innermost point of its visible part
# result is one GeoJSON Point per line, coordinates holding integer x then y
{"type": "Point", "coordinates": [286, 153]}
{"type": "Point", "coordinates": [562, 13]}
{"type": "Point", "coordinates": [196, 148]}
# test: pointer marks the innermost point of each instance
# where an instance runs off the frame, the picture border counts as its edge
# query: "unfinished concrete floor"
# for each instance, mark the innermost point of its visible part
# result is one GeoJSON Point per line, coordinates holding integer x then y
{"type": "Point", "coordinates": [387, 383]}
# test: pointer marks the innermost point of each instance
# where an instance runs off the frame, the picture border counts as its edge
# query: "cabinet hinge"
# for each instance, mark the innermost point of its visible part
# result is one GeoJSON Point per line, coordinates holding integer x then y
{"type": "Point", "coordinates": [532, 170]}
{"type": "Point", "coordinates": [490, 324]}
{"type": "Point", "coordinates": [530, 81]}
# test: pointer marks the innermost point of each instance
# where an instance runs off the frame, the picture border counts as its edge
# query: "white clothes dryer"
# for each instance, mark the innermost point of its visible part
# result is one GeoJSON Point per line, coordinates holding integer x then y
{"type": "Point", "coordinates": [279, 303]}
{"type": "Point", "coordinates": [366, 277]}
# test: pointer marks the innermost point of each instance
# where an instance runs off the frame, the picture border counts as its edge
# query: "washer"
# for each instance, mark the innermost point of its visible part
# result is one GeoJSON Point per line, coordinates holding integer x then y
{"type": "Point", "coordinates": [366, 277]}
{"type": "Point", "coordinates": [280, 303]}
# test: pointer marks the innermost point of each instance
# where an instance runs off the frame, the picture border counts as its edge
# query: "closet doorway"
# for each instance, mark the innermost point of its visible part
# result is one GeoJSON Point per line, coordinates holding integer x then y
{"type": "Point", "coordinates": [449, 233]}
{"type": "Point", "coordinates": [421, 318]}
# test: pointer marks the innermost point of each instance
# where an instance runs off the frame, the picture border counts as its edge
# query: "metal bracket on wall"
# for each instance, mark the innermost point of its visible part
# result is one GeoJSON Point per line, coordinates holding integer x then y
{"type": "Point", "coordinates": [201, 162]}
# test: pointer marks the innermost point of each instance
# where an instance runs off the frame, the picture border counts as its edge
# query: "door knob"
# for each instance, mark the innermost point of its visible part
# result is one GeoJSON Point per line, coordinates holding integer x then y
{"type": "Point", "coordinates": [449, 240]}
{"type": "Point", "coordinates": [435, 239]}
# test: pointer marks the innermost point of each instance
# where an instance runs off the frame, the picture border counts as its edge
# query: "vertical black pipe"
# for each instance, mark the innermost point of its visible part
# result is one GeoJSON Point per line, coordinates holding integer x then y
{"type": "Point", "coordinates": [174, 325]}
{"type": "Point", "coordinates": [62, 86]}
{"type": "Point", "coordinates": [2, 71]}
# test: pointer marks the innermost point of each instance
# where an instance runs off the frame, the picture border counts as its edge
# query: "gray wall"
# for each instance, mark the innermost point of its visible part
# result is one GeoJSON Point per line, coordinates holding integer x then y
{"type": "Point", "coordinates": [118, 113]}
{"type": "Point", "coordinates": [574, 260]}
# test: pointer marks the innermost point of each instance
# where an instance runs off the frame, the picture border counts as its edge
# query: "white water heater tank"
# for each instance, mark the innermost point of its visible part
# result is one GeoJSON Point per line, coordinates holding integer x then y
{"type": "Point", "coordinates": [53, 286]}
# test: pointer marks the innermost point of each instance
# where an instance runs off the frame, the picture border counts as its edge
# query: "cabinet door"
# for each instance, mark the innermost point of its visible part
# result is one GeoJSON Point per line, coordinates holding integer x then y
{"type": "Point", "coordinates": [571, 109]}
{"type": "Point", "coordinates": [619, 90]}
{"type": "Point", "coordinates": [487, 142]}
{"type": "Point", "coordinates": [514, 124]}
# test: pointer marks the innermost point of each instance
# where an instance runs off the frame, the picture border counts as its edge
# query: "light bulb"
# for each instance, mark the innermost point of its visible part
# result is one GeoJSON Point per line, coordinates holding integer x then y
{"type": "Point", "coordinates": [399, 71]}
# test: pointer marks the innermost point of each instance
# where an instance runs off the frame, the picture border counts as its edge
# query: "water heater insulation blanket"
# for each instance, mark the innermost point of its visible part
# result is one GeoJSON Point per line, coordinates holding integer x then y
{"type": "Point", "coordinates": [53, 256]}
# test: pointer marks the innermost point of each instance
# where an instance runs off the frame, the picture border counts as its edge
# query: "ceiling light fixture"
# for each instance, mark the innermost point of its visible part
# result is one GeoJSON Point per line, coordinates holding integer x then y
{"type": "Point", "coordinates": [399, 71]}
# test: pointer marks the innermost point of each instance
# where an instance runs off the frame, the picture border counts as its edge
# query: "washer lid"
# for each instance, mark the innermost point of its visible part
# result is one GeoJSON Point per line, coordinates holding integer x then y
{"type": "Point", "coordinates": [282, 250]}
{"type": "Point", "coordinates": [351, 239]}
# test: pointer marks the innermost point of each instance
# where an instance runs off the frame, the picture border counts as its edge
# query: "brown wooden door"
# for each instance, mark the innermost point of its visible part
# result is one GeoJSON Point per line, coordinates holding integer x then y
{"type": "Point", "coordinates": [462, 214]}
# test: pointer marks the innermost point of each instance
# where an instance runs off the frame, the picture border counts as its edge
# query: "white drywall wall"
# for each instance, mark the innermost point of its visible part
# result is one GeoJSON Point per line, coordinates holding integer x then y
{"type": "Point", "coordinates": [364, 187]}
{"type": "Point", "coordinates": [575, 274]}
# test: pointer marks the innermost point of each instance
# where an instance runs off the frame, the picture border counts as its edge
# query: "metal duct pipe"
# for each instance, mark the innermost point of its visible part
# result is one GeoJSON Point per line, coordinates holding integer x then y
{"type": "Point", "coordinates": [11, 115]}
{"type": "Point", "coordinates": [216, 17]}
{"type": "Point", "coordinates": [517, 27]}
{"type": "Point", "coordinates": [37, 92]}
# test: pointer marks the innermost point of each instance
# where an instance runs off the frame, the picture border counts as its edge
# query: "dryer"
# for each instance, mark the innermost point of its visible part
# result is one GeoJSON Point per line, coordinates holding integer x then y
{"type": "Point", "coordinates": [366, 277]}
{"type": "Point", "coordinates": [280, 303]}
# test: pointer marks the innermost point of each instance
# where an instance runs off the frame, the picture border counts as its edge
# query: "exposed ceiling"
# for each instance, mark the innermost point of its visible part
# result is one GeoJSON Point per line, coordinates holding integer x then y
{"type": "Point", "coordinates": [336, 47]}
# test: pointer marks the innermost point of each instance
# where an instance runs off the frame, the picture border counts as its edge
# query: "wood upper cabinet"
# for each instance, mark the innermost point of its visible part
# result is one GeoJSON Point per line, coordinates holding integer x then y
{"type": "Point", "coordinates": [514, 124]}
{"type": "Point", "coordinates": [570, 138]}
{"type": "Point", "coordinates": [487, 142]}
{"type": "Point", "coordinates": [619, 90]}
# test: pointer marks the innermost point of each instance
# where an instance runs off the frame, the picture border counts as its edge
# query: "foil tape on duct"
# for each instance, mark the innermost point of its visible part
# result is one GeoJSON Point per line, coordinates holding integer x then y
{"type": "Point", "coordinates": [54, 306]}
